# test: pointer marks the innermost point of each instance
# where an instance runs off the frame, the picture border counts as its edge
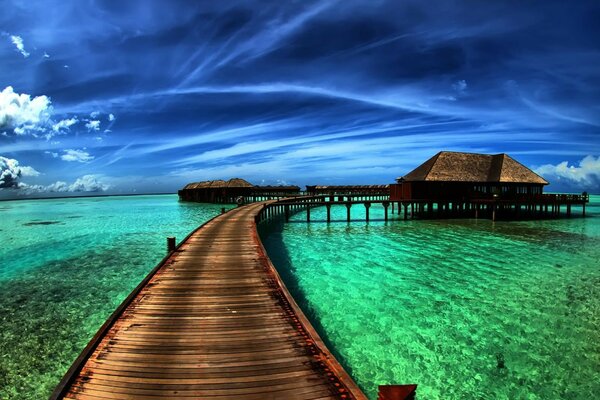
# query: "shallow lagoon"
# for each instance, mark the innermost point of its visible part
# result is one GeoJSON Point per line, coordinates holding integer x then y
{"type": "Point", "coordinates": [467, 309]}
{"type": "Point", "coordinates": [65, 265]}
{"type": "Point", "coordinates": [440, 303]}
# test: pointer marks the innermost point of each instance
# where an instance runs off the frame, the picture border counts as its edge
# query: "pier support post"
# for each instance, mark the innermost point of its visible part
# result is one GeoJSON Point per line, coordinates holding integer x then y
{"type": "Point", "coordinates": [348, 205]}
{"type": "Point", "coordinates": [308, 213]}
{"type": "Point", "coordinates": [386, 204]}
{"type": "Point", "coordinates": [328, 206]}
{"type": "Point", "coordinates": [367, 206]}
{"type": "Point", "coordinates": [392, 208]}
{"type": "Point", "coordinates": [569, 210]}
{"type": "Point", "coordinates": [405, 211]}
{"type": "Point", "coordinates": [222, 210]}
{"type": "Point", "coordinates": [494, 212]}
{"type": "Point", "coordinates": [170, 244]}
{"type": "Point", "coordinates": [287, 212]}
{"type": "Point", "coordinates": [583, 210]}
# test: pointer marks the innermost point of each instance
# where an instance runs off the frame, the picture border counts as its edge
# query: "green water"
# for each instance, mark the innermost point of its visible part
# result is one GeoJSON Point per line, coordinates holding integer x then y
{"type": "Point", "coordinates": [466, 309]}
{"type": "Point", "coordinates": [65, 265]}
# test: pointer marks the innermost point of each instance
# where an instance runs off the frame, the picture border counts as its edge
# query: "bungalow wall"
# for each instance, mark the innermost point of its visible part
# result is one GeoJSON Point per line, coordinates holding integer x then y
{"type": "Point", "coordinates": [449, 191]}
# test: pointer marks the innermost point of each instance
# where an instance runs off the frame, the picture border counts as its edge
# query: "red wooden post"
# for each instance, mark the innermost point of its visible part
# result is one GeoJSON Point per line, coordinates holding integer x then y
{"type": "Point", "coordinates": [397, 392]}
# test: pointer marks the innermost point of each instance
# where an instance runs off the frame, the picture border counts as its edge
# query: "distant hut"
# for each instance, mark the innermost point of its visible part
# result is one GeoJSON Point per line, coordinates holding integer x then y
{"type": "Point", "coordinates": [220, 191]}
{"type": "Point", "coordinates": [451, 176]}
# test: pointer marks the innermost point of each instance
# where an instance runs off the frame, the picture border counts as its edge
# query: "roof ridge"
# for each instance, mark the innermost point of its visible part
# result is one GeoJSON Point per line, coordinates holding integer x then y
{"type": "Point", "coordinates": [432, 164]}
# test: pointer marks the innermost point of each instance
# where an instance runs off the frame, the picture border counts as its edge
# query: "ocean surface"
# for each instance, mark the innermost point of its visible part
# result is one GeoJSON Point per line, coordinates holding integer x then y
{"type": "Point", "coordinates": [65, 266]}
{"type": "Point", "coordinates": [467, 309]}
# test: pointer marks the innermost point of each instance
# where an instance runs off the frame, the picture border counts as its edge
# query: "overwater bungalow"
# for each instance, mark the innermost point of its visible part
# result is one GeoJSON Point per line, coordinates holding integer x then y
{"type": "Point", "coordinates": [231, 191]}
{"type": "Point", "coordinates": [470, 184]}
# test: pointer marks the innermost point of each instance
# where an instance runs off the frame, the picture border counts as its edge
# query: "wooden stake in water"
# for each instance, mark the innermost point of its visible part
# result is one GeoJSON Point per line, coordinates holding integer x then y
{"type": "Point", "coordinates": [171, 244]}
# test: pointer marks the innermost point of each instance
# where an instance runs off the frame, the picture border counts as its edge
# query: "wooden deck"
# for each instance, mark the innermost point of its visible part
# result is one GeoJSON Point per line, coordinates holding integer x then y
{"type": "Point", "coordinates": [213, 320]}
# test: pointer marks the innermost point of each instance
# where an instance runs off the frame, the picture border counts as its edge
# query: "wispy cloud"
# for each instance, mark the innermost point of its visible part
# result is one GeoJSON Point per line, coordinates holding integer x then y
{"type": "Point", "coordinates": [81, 156]}
{"type": "Point", "coordinates": [18, 42]}
{"type": "Point", "coordinates": [64, 124]}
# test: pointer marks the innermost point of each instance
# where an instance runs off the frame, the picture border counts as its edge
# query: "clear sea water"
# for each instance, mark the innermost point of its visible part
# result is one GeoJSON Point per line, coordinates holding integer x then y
{"type": "Point", "coordinates": [466, 309]}
{"type": "Point", "coordinates": [65, 266]}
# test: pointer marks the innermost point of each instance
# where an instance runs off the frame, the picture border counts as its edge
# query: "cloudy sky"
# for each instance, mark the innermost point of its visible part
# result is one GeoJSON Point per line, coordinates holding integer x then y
{"type": "Point", "coordinates": [144, 96]}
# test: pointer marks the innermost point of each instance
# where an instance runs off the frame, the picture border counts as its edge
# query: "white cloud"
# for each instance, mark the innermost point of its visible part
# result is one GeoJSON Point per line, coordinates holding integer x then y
{"type": "Point", "coordinates": [64, 124]}
{"type": "Point", "coordinates": [22, 114]}
{"type": "Point", "coordinates": [111, 117]}
{"type": "Point", "coordinates": [58, 186]}
{"type": "Point", "coordinates": [18, 42]}
{"type": "Point", "coordinates": [89, 183]}
{"type": "Point", "coordinates": [53, 154]}
{"type": "Point", "coordinates": [11, 173]}
{"type": "Point", "coordinates": [93, 125]}
{"type": "Point", "coordinates": [29, 171]}
{"type": "Point", "coordinates": [76, 155]}
{"type": "Point", "coordinates": [95, 114]}
{"type": "Point", "coordinates": [585, 176]}
{"type": "Point", "coordinates": [46, 55]}
{"type": "Point", "coordinates": [85, 183]}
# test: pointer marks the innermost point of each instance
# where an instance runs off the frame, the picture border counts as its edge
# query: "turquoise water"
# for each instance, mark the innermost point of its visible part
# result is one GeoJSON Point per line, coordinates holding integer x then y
{"type": "Point", "coordinates": [65, 265]}
{"type": "Point", "coordinates": [466, 309]}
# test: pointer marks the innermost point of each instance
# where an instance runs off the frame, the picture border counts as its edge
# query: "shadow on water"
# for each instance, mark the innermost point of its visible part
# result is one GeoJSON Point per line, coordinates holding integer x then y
{"type": "Point", "coordinates": [34, 223]}
{"type": "Point", "coordinates": [543, 235]}
{"type": "Point", "coordinates": [272, 238]}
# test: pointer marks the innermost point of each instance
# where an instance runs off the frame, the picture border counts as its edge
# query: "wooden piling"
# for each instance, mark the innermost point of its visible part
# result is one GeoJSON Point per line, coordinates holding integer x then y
{"type": "Point", "coordinates": [171, 244]}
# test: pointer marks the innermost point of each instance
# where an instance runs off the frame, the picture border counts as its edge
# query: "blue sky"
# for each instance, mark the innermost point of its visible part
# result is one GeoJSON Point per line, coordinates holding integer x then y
{"type": "Point", "coordinates": [145, 96]}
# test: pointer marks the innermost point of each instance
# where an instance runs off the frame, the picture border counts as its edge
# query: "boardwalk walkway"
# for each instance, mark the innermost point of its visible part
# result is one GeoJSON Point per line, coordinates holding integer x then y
{"type": "Point", "coordinates": [213, 321]}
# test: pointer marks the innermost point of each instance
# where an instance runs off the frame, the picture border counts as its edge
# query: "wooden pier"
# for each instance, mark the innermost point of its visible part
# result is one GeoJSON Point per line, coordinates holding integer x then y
{"type": "Point", "coordinates": [545, 206]}
{"type": "Point", "coordinates": [212, 320]}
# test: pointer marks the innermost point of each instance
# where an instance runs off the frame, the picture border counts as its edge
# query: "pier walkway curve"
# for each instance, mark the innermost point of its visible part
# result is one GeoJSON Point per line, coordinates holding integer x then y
{"type": "Point", "coordinates": [212, 320]}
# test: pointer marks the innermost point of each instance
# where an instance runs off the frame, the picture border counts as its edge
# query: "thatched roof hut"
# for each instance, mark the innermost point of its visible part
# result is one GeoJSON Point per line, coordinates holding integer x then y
{"type": "Point", "coordinates": [451, 175]}
{"type": "Point", "coordinates": [220, 191]}
{"type": "Point", "coordinates": [219, 183]}
{"type": "Point", "coordinates": [448, 166]}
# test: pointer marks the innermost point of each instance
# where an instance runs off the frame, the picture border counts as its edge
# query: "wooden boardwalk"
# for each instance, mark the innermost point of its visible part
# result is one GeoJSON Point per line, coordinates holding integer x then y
{"type": "Point", "coordinates": [213, 320]}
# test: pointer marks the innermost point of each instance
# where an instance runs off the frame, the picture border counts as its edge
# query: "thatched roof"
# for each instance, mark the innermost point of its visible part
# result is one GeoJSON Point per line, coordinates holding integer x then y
{"type": "Point", "coordinates": [448, 166]}
{"type": "Point", "coordinates": [239, 183]}
{"type": "Point", "coordinates": [219, 183]}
